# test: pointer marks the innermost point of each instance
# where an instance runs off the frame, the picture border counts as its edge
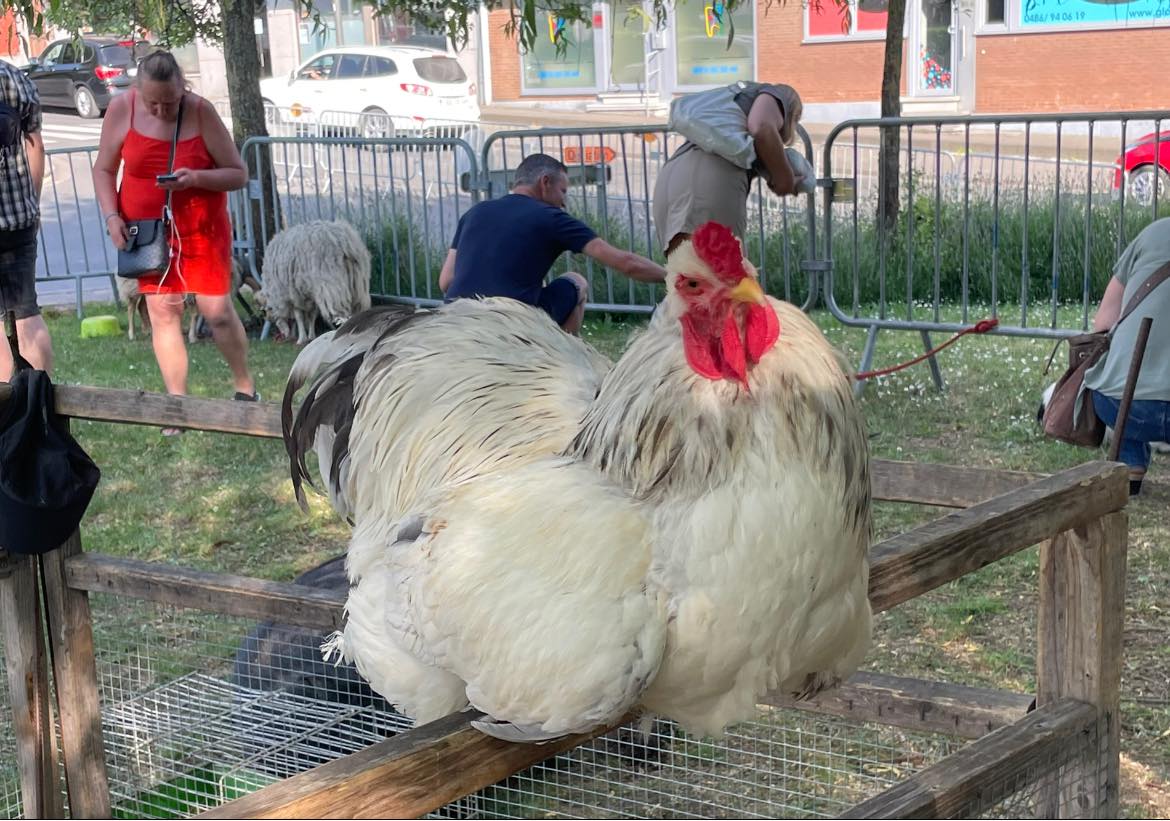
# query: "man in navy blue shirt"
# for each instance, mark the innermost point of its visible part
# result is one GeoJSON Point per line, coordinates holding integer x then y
{"type": "Point", "coordinates": [506, 247]}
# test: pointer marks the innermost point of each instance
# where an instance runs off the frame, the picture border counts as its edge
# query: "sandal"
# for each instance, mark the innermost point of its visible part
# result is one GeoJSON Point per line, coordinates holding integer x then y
{"type": "Point", "coordinates": [243, 397]}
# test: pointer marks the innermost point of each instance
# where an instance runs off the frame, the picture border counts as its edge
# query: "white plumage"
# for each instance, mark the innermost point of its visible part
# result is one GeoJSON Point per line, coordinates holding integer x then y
{"type": "Point", "coordinates": [315, 268]}
{"type": "Point", "coordinates": [689, 539]}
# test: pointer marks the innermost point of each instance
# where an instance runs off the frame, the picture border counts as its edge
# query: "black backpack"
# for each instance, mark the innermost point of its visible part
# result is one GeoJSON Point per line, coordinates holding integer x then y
{"type": "Point", "coordinates": [46, 479]}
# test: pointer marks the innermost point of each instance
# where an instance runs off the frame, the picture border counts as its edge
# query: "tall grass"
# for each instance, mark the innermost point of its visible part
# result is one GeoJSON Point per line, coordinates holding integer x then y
{"type": "Point", "coordinates": [983, 253]}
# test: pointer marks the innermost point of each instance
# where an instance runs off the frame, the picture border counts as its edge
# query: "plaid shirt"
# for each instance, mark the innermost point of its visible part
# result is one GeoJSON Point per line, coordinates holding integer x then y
{"type": "Point", "coordinates": [18, 199]}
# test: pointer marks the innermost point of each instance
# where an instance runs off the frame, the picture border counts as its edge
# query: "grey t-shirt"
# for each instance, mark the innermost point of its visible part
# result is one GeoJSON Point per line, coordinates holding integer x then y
{"type": "Point", "coordinates": [1148, 251]}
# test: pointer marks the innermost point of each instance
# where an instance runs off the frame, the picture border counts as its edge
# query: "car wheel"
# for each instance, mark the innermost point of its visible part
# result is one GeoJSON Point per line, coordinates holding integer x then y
{"type": "Point", "coordinates": [85, 103]}
{"type": "Point", "coordinates": [375, 124]}
{"type": "Point", "coordinates": [1141, 185]}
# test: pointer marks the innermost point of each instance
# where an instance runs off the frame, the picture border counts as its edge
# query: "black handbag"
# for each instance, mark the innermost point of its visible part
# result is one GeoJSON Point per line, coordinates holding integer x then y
{"type": "Point", "coordinates": [148, 249]}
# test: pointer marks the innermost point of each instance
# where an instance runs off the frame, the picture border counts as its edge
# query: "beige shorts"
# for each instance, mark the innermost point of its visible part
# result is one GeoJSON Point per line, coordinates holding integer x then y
{"type": "Point", "coordinates": [696, 187]}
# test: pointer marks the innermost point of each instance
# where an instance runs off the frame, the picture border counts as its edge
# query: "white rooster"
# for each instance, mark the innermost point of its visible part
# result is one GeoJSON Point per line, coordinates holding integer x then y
{"type": "Point", "coordinates": [687, 540]}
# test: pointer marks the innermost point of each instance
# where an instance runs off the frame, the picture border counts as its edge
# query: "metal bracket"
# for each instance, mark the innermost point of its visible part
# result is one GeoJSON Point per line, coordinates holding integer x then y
{"type": "Point", "coordinates": [842, 189]}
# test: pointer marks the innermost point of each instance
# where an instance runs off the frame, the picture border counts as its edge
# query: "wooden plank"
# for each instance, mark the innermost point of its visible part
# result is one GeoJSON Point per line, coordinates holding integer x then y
{"type": "Point", "coordinates": [405, 776]}
{"type": "Point", "coordinates": [214, 592]}
{"type": "Point", "coordinates": [163, 410]}
{"type": "Point", "coordinates": [75, 675]}
{"type": "Point", "coordinates": [28, 689]}
{"type": "Point", "coordinates": [956, 786]}
{"type": "Point", "coordinates": [930, 706]}
{"type": "Point", "coordinates": [943, 485]}
{"type": "Point", "coordinates": [927, 484]}
{"type": "Point", "coordinates": [1079, 653]}
{"type": "Point", "coordinates": [962, 542]}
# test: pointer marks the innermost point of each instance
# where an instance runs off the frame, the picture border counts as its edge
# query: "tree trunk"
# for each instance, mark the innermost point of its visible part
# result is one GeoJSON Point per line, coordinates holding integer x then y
{"type": "Point", "coordinates": [243, 80]}
{"type": "Point", "coordinates": [891, 139]}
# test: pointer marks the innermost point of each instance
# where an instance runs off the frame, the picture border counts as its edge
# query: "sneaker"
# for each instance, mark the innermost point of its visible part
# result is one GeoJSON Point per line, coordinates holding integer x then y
{"type": "Point", "coordinates": [243, 397]}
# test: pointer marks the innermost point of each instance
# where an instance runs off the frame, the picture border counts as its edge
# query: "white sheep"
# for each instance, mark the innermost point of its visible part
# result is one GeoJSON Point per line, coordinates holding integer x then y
{"type": "Point", "coordinates": [315, 268]}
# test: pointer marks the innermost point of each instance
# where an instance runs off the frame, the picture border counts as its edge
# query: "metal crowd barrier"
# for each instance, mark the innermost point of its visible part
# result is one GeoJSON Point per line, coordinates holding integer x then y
{"type": "Point", "coordinates": [403, 195]}
{"type": "Point", "coordinates": [612, 173]}
{"type": "Point", "coordinates": [1017, 217]}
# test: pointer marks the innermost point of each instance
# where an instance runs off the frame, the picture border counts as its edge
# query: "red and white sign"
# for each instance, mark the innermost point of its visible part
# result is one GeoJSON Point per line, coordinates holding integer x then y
{"type": "Point", "coordinates": [593, 155]}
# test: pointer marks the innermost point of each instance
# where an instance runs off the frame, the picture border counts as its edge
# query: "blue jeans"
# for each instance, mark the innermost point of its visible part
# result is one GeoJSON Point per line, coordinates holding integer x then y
{"type": "Point", "coordinates": [1149, 421]}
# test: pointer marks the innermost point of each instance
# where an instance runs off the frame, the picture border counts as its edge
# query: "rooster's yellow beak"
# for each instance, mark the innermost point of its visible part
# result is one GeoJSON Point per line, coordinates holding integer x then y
{"type": "Point", "coordinates": [748, 290]}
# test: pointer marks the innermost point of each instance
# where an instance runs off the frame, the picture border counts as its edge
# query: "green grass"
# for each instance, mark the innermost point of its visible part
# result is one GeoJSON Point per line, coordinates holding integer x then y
{"type": "Point", "coordinates": [225, 503]}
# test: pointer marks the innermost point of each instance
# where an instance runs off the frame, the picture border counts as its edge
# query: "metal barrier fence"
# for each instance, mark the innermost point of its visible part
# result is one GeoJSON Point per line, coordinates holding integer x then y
{"type": "Point", "coordinates": [1017, 217]}
{"type": "Point", "coordinates": [405, 196]}
{"type": "Point", "coordinates": [612, 173]}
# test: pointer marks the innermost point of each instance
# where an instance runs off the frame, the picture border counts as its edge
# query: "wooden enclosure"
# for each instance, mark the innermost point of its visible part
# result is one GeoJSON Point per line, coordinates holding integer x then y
{"type": "Point", "coordinates": [1061, 743]}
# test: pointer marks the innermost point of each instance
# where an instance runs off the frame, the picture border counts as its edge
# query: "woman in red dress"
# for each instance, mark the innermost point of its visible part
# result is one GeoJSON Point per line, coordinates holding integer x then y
{"type": "Point", "coordinates": [136, 135]}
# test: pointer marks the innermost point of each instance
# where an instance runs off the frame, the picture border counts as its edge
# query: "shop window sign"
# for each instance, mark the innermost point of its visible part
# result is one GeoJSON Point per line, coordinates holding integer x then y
{"type": "Point", "coordinates": [702, 52]}
{"type": "Point", "coordinates": [1126, 13]}
{"type": "Point", "coordinates": [544, 69]}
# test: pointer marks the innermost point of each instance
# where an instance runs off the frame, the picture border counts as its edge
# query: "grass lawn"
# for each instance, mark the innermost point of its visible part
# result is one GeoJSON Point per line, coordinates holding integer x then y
{"type": "Point", "coordinates": [226, 503]}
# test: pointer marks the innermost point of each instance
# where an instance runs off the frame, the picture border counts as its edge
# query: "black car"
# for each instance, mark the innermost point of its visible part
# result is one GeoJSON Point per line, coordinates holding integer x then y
{"type": "Point", "coordinates": [85, 74]}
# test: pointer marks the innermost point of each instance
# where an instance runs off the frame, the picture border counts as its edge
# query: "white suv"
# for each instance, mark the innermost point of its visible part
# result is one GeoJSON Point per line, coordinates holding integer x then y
{"type": "Point", "coordinates": [382, 91]}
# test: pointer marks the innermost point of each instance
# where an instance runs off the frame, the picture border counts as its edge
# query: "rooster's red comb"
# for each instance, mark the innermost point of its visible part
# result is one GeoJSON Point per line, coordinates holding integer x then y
{"type": "Point", "coordinates": [718, 247]}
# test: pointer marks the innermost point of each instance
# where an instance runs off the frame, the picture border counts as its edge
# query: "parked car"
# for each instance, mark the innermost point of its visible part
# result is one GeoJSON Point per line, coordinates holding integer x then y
{"type": "Point", "coordinates": [382, 91]}
{"type": "Point", "coordinates": [85, 74]}
{"type": "Point", "coordinates": [1143, 164]}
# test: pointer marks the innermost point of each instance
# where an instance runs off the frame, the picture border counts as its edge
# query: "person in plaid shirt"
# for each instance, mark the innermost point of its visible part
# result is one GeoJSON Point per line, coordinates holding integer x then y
{"type": "Point", "coordinates": [22, 170]}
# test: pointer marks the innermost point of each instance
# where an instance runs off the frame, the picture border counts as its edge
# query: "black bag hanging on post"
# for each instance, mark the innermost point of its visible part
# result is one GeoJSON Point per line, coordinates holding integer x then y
{"type": "Point", "coordinates": [46, 479]}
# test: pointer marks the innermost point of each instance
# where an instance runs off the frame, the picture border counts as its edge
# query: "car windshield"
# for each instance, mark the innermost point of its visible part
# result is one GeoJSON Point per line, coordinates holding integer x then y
{"type": "Point", "coordinates": [439, 70]}
{"type": "Point", "coordinates": [117, 55]}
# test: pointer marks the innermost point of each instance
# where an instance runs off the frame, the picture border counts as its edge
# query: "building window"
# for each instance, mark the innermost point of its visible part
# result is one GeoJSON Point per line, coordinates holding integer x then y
{"type": "Point", "coordinates": [398, 30]}
{"type": "Point", "coordinates": [704, 57]}
{"type": "Point", "coordinates": [995, 13]}
{"type": "Point", "coordinates": [544, 69]}
{"type": "Point", "coordinates": [860, 19]}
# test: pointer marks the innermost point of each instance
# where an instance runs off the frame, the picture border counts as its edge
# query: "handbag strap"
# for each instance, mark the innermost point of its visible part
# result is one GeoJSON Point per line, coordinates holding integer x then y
{"type": "Point", "coordinates": [1152, 281]}
{"type": "Point", "coordinates": [174, 145]}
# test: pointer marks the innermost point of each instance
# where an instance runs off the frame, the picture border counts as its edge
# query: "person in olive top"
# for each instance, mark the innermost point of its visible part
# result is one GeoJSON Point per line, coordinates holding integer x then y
{"type": "Point", "coordinates": [696, 186]}
{"type": "Point", "coordinates": [506, 247]}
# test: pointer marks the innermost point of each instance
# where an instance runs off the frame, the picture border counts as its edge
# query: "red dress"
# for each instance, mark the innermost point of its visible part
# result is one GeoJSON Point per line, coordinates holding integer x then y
{"type": "Point", "coordinates": [201, 258]}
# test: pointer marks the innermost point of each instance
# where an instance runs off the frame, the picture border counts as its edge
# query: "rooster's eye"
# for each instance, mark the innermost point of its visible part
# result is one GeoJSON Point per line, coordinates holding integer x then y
{"type": "Point", "coordinates": [693, 284]}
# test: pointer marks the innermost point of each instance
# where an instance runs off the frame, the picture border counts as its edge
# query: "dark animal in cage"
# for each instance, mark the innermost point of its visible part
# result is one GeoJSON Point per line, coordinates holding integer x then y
{"type": "Point", "coordinates": [280, 669]}
{"type": "Point", "coordinates": [286, 657]}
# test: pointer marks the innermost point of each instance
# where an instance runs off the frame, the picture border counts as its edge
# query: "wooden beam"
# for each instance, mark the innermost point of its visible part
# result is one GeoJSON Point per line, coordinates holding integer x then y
{"type": "Point", "coordinates": [943, 485]}
{"type": "Point", "coordinates": [962, 542]}
{"type": "Point", "coordinates": [970, 780]}
{"type": "Point", "coordinates": [918, 483]}
{"type": "Point", "coordinates": [1079, 654]}
{"type": "Point", "coordinates": [213, 592]}
{"type": "Point", "coordinates": [75, 675]}
{"type": "Point", "coordinates": [406, 776]}
{"type": "Point", "coordinates": [28, 686]}
{"type": "Point", "coordinates": [914, 704]}
{"type": "Point", "coordinates": [163, 410]}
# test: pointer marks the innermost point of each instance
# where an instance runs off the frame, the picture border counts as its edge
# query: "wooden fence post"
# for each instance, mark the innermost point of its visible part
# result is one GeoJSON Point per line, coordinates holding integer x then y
{"type": "Point", "coordinates": [1080, 625]}
{"type": "Point", "coordinates": [28, 686]}
{"type": "Point", "coordinates": [75, 673]}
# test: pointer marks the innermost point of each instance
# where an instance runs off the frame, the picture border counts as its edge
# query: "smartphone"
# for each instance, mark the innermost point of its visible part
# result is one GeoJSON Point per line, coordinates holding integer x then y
{"type": "Point", "coordinates": [166, 178]}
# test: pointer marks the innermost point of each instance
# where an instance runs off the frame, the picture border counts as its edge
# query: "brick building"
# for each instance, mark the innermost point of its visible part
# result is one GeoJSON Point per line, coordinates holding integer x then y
{"type": "Point", "coordinates": [966, 56]}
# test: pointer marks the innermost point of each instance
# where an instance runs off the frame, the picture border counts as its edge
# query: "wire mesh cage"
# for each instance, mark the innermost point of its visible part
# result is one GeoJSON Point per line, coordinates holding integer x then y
{"type": "Point", "coordinates": [199, 709]}
{"type": "Point", "coordinates": [10, 799]}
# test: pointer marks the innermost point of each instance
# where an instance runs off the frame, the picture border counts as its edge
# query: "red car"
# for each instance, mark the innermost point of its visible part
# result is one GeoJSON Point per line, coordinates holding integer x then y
{"type": "Point", "coordinates": [1141, 165]}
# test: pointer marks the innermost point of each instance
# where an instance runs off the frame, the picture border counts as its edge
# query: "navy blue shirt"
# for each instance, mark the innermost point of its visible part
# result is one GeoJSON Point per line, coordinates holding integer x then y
{"type": "Point", "coordinates": [506, 247]}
